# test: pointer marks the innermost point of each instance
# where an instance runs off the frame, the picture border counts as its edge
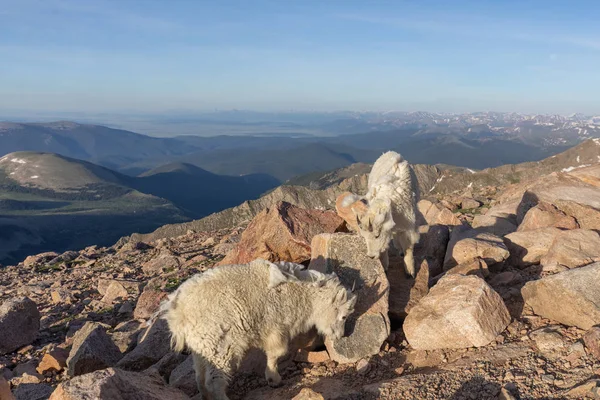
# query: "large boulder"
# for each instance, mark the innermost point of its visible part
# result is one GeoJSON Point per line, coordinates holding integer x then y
{"type": "Point", "coordinates": [369, 326]}
{"type": "Point", "coordinates": [466, 244]}
{"type": "Point", "coordinates": [587, 217]}
{"type": "Point", "coordinates": [459, 312]}
{"type": "Point", "coordinates": [92, 350]}
{"type": "Point", "coordinates": [152, 345]}
{"type": "Point", "coordinates": [183, 377]}
{"type": "Point", "coordinates": [116, 384]}
{"type": "Point", "coordinates": [149, 302]}
{"type": "Point", "coordinates": [405, 292]}
{"type": "Point", "coordinates": [282, 233]}
{"type": "Point", "coordinates": [499, 220]}
{"type": "Point", "coordinates": [571, 297]}
{"type": "Point", "coordinates": [431, 247]}
{"type": "Point", "coordinates": [528, 247]}
{"type": "Point", "coordinates": [546, 215]}
{"type": "Point", "coordinates": [572, 249]}
{"type": "Point", "coordinates": [437, 214]}
{"type": "Point", "coordinates": [19, 323]}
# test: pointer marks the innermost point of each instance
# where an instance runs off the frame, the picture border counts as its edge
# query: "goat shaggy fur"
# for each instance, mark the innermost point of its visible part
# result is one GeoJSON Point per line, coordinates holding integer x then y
{"type": "Point", "coordinates": [220, 314]}
{"type": "Point", "coordinates": [388, 210]}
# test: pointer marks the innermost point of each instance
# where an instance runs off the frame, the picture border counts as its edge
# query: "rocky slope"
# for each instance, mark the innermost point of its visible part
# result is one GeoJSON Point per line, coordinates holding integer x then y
{"type": "Point", "coordinates": [505, 304]}
{"type": "Point", "coordinates": [319, 190]}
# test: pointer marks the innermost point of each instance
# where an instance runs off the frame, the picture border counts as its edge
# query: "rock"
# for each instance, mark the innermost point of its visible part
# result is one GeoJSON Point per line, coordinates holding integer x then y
{"type": "Point", "coordinates": [588, 217]}
{"type": "Point", "coordinates": [183, 377]}
{"type": "Point", "coordinates": [592, 341]}
{"type": "Point", "coordinates": [572, 249]}
{"type": "Point", "coordinates": [5, 393]}
{"type": "Point", "coordinates": [546, 215]}
{"type": "Point", "coordinates": [53, 361]}
{"type": "Point", "coordinates": [168, 363]}
{"type": "Point", "coordinates": [466, 244]}
{"type": "Point", "coordinates": [476, 266]}
{"type": "Point", "coordinates": [148, 303]}
{"type": "Point", "coordinates": [26, 373]}
{"type": "Point", "coordinates": [345, 255]}
{"type": "Point", "coordinates": [347, 212]}
{"type": "Point", "coordinates": [116, 384]}
{"type": "Point", "coordinates": [549, 341]}
{"type": "Point", "coordinates": [312, 357]}
{"type": "Point", "coordinates": [590, 389]}
{"type": "Point", "coordinates": [61, 296]}
{"type": "Point", "coordinates": [114, 292]}
{"type": "Point", "coordinates": [32, 391]}
{"type": "Point", "coordinates": [164, 262]}
{"type": "Point", "coordinates": [282, 233]}
{"type": "Point", "coordinates": [436, 214]}
{"type": "Point", "coordinates": [459, 312]}
{"type": "Point", "coordinates": [405, 292]}
{"type": "Point", "coordinates": [152, 345]}
{"type": "Point", "coordinates": [528, 247]}
{"type": "Point", "coordinates": [308, 394]}
{"type": "Point", "coordinates": [467, 203]}
{"type": "Point", "coordinates": [19, 323]}
{"type": "Point", "coordinates": [131, 286]}
{"type": "Point", "coordinates": [39, 259]}
{"type": "Point", "coordinates": [432, 247]}
{"type": "Point", "coordinates": [496, 223]}
{"type": "Point", "coordinates": [362, 366]}
{"type": "Point", "coordinates": [570, 297]}
{"type": "Point", "coordinates": [125, 335]}
{"type": "Point", "coordinates": [92, 350]}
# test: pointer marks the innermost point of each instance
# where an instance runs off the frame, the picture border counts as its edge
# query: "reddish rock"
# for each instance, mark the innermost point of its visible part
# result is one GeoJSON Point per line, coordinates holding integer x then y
{"type": "Point", "coordinates": [405, 292]}
{"type": "Point", "coordinates": [348, 212]}
{"type": "Point", "coordinates": [5, 393]}
{"type": "Point", "coordinates": [572, 249]}
{"type": "Point", "coordinates": [53, 361]}
{"type": "Point", "coordinates": [312, 357]}
{"type": "Point", "coordinates": [466, 244]}
{"type": "Point", "coordinates": [570, 297]}
{"type": "Point", "coordinates": [587, 216]}
{"type": "Point", "coordinates": [592, 341]}
{"type": "Point", "coordinates": [148, 303]}
{"type": "Point", "coordinates": [475, 266]}
{"type": "Point", "coordinates": [546, 215]}
{"type": "Point", "coordinates": [113, 383]}
{"type": "Point", "coordinates": [346, 255]}
{"type": "Point", "coordinates": [162, 263]}
{"type": "Point", "coordinates": [528, 247]}
{"type": "Point", "coordinates": [459, 312]}
{"type": "Point", "coordinates": [436, 214]}
{"type": "Point", "coordinates": [282, 233]}
{"type": "Point", "coordinates": [39, 258]}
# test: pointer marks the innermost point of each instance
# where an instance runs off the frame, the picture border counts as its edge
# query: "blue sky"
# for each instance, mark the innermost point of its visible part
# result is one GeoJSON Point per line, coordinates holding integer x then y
{"type": "Point", "coordinates": [152, 56]}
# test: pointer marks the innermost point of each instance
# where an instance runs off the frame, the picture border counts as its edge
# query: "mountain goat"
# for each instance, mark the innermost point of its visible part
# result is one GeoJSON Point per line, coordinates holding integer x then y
{"type": "Point", "coordinates": [388, 210]}
{"type": "Point", "coordinates": [220, 314]}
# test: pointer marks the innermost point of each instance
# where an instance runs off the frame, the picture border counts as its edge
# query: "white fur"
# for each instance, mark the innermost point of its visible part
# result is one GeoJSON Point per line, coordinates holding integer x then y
{"type": "Point", "coordinates": [221, 314]}
{"type": "Point", "coordinates": [390, 214]}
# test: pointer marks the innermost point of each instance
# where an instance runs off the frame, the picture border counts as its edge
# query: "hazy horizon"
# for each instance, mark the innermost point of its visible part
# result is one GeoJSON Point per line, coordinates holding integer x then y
{"type": "Point", "coordinates": [103, 56]}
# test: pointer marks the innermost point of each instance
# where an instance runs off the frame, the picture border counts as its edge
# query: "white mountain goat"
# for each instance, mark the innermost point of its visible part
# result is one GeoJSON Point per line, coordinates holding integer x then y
{"type": "Point", "coordinates": [388, 210]}
{"type": "Point", "coordinates": [220, 314]}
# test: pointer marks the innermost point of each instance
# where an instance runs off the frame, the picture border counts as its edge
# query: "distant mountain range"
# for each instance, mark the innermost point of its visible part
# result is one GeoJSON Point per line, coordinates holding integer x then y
{"type": "Point", "coordinates": [478, 140]}
{"type": "Point", "coordinates": [52, 202]}
{"type": "Point", "coordinates": [65, 185]}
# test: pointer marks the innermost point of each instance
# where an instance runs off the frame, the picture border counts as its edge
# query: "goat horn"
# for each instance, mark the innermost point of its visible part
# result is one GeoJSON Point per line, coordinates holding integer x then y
{"type": "Point", "coordinates": [353, 286]}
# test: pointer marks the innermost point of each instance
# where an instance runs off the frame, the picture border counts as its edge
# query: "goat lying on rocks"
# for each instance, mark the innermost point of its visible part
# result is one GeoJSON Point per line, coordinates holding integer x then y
{"type": "Point", "coordinates": [220, 314]}
{"type": "Point", "coordinates": [388, 210]}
